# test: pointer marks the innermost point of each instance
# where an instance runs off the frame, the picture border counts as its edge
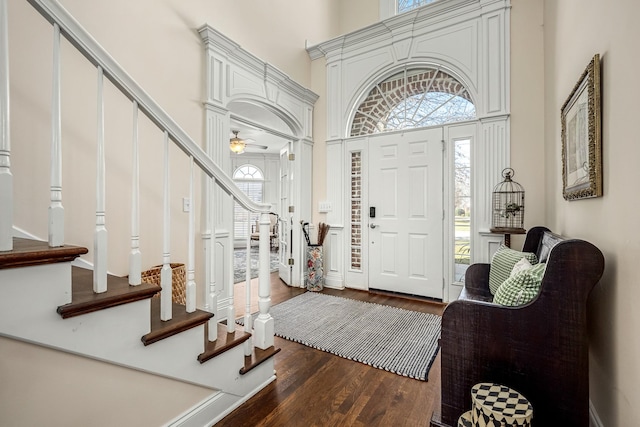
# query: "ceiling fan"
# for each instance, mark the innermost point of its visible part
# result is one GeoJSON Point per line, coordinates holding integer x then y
{"type": "Point", "coordinates": [237, 145]}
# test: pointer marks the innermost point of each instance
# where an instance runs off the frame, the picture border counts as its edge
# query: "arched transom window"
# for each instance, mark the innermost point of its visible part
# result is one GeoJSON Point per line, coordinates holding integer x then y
{"type": "Point", "coordinates": [407, 5]}
{"type": "Point", "coordinates": [412, 99]}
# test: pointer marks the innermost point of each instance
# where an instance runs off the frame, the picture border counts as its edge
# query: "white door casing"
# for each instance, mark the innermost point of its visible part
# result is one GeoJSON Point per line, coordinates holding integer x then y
{"type": "Point", "coordinates": [406, 189]}
{"type": "Point", "coordinates": [286, 219]}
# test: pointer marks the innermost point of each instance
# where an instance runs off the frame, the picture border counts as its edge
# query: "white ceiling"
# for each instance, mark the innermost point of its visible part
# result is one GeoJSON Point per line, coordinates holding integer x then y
{"type": "Point", "coordinates": [258, 127]}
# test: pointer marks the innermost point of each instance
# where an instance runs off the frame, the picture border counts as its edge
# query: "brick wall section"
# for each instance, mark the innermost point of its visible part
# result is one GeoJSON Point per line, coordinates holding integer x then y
{"type": "Point", "coordinates": [356, 210]}
{"type": "Point", "coordinates": [374, 110]}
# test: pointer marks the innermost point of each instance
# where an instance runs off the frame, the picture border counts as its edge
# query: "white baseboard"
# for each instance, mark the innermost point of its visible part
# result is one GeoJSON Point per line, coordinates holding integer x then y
{"type": "Point", "coordinates": [214, 408]}
{"type": "Point", "coordinates": [594, 419]}
{"type": "Point", "coordinates": [19, 232]}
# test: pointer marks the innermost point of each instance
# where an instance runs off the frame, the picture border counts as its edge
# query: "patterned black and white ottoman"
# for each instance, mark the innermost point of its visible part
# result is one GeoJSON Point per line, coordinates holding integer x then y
{"type": "Point", "coordinates": [465, 420]}
{"type": "Point", "coordinates": [495, 405]}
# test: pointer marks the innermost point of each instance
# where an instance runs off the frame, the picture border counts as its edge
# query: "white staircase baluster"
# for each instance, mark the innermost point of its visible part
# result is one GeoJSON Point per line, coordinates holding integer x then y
{"type": "Point", "coordinates": [231, 310]}
{"type": "Point", "coordinates": [56, 210]}
{"type": "Point", "coordinates": [210, 258]}
{"type": "Point", "coordinates": [247, 308]}
{"type": "Point", "coordinates": [6, 178]}
{"type": "Point", "coordinates": [135, 257]}
{"type": "Point", "coordinates": [191, 284]}
{"type": "Point", "coordinates": [263, 326]}
{"type": "Point", "coordinates": [165, 275]}
{"type": "Point", "coordinates": [100, 235]}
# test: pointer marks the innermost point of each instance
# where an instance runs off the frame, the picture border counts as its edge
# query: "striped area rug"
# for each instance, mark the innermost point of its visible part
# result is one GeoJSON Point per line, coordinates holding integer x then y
{"type": "Point", "coordinates": [400, 341]}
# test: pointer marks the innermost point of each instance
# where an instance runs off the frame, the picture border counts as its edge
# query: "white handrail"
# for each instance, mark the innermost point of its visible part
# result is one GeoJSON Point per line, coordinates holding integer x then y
{"type": "Point", "coordinates": [98, 56]}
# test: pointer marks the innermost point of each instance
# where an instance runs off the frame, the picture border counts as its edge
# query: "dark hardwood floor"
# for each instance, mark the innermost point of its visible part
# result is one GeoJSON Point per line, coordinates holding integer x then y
{"type": "Point", "coordinates": [314, 388]}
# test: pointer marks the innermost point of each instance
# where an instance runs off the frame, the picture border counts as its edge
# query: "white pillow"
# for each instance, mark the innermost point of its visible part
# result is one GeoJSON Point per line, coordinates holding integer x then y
{"type": "Point", "coordinates": [519, 266]}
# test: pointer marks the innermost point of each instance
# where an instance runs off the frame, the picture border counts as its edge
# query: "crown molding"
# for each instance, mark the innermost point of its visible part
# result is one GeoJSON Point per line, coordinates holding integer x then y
{"type": "Point", "coordinates": [409, 23]}
{"type": "Point", "coordinates": [235, 54]}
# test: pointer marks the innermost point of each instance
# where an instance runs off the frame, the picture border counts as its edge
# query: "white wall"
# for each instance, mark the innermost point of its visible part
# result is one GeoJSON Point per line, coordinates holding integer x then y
{"type": "Point", "coordinates": [575, 30]}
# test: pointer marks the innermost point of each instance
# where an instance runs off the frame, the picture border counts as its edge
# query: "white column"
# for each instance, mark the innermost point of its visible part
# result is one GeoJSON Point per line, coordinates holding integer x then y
{"type": "Point", "coordinates": [191, 284]}
{"type": "Point", "coordinates": [6, 178]}
{"type": "Point", "coordinates": [264, 327]}
{"type": "Point", "coordinates": [100, 234]}
{"type": "Point", "coordinates": [135, 257]}
{"type": "Point", "coordinates": [165, 274]}
{"type": "Point", "coordinates": [56, 210]}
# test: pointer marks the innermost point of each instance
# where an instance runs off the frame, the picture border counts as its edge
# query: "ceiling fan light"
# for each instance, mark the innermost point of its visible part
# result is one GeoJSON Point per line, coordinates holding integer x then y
{"type": "Point", "coordinates": [237, 145]}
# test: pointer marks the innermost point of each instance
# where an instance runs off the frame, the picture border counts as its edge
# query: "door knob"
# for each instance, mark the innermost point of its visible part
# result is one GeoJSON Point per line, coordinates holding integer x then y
{"type": "Point", "coordinates": [373, 225]}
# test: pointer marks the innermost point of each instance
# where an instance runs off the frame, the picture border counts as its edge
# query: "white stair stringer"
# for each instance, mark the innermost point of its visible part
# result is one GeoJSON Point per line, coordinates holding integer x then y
{"type": "Point", "coordinates": [29, 297]}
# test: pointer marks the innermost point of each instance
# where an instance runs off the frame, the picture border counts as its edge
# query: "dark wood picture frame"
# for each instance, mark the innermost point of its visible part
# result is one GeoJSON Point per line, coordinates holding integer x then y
{"type": "Point", "coordinates": [581, 137]}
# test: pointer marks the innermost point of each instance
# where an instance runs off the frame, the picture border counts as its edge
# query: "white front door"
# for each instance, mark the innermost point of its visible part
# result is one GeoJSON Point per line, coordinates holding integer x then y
{"type": "Point", "coordinates": [406, 230]}
{"type": "Point", "coordinates": [284, 227]}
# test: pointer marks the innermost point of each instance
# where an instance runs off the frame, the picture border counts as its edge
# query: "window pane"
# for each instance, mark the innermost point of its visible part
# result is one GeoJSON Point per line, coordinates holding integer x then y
{"type": "Point", "coordinates": [250, 180]}
{"type": "Point", "coordinates": [462, 207]}
{"type": "Point", "coordinates": [407, 5]}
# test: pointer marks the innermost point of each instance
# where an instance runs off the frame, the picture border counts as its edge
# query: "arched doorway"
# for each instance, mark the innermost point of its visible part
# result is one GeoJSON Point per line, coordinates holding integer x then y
{"type": "Point", "coordinates": [246, 94]}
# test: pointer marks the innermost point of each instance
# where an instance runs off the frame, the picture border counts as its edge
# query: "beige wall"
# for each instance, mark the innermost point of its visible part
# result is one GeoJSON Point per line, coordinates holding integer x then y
{"type": "Point", "coordinates": [575, 30]}
{"type": "Point", "coordinates": [44, 387]}
{"type": "Point", "coordinates": [527, 108]}
{"type": "Point", "coordinates": [157, 43]}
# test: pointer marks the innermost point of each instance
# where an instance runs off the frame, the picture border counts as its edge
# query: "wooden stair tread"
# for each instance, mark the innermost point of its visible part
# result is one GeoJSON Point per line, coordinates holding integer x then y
{"type": "Point", "coordinates": [181, 321]}
{"type": "Point", "coordinates": [84, 300]}
{"type": "Point", "coordinates": [28, 252]}
{"type": "Point", "coordinates": [257, 357]}
{"type": "Point", "coordinates": [224, 342]}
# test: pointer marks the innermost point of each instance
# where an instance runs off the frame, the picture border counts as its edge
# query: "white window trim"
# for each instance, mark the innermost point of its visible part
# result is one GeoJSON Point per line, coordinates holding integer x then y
{"type": "Point", "coordinates": [388, 8]}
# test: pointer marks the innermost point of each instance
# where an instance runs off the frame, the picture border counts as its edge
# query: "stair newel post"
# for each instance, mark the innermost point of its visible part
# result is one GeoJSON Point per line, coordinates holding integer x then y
{"type": "Point", "coordinates": [100, 235]}
{"type": "Point", "coordinates": [165, 274]}
{"type": "Point", "coordinates": [135, 258]}
{"type": "Point", "coordinates": [263, 326]}
{"type": "Point", "coordinates": [191, 284]}
{"type": "Point", "coordinates": [56, 210]}
{"type": "Point", "coordinates": [210, 259]}
{"type": "Point", "coordinates": [247, 285]}
{"type": "Point", "coordinates": [6, 178]}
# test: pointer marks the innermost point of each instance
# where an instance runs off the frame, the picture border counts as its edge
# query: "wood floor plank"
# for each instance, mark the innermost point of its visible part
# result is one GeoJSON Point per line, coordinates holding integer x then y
{"type": "Point", "coordinates": [315, 388]}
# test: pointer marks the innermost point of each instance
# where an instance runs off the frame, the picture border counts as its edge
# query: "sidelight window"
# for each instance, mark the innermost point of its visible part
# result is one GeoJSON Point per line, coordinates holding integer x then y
{"type": "Point", "coordinates": [462, 207]}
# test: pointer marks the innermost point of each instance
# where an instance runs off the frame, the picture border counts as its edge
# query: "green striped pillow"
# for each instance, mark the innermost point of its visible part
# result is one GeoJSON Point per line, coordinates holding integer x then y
{"type": "Point", "coordinates": [520, 288]}
{"type": "Point", "coordinates": [502, 263]}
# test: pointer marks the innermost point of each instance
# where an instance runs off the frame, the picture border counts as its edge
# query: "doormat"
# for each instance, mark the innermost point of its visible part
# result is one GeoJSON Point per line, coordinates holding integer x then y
{"type": "Point", "coordinates": [393, 339]}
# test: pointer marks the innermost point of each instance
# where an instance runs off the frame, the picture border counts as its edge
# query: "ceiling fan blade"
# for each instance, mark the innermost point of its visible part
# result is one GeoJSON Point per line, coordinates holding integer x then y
{"type": "Point", "coordinates": [261, 147]}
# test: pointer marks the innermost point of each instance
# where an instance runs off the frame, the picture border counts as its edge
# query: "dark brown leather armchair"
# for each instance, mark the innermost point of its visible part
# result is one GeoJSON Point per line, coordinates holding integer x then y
{"type": "Point", "coordinates": [539, 349]}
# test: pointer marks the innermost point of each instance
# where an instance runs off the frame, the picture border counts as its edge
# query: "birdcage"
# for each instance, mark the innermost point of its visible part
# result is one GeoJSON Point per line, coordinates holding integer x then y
{"type": "Point", "coordinates": [508, 205]}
